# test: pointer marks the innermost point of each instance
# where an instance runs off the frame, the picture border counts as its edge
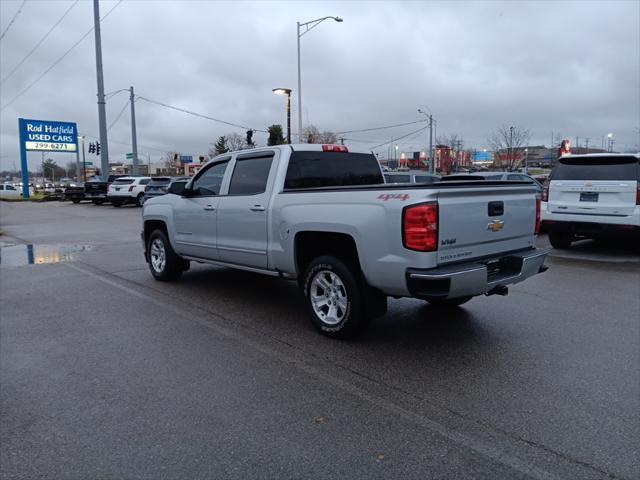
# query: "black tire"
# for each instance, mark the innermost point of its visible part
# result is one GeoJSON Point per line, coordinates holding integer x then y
{"type": "Point", "coordinates": [75, 200]}
{"type": "Point", "coordinates": [97, 202]}
{"type": "Point", "coordinates": [140, 200]}
{"type": "Point", "coordinates": [449, 302]}
{"type": "Point", "coordinates": [343, 314]}
{"type": "Point", "coordinates": [173, 265]}
{"type": "Point", "coordinates": [560, 239]}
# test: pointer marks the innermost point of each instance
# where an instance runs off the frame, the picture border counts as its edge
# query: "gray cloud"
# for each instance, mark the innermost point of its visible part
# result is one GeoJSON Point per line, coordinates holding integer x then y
{"type": "Point", "coordinates": [568, 67]}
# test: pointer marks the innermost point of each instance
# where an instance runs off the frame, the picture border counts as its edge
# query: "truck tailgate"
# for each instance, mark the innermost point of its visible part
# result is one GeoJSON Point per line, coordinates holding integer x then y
{"type": "Point", "coordinates": [485, 220]}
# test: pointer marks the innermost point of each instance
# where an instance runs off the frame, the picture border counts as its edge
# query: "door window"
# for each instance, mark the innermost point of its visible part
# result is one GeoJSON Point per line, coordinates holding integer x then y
{"type": "Point", "coordinates": [250, 176]}
{"type": "Point", "coordinates": [210, 180]}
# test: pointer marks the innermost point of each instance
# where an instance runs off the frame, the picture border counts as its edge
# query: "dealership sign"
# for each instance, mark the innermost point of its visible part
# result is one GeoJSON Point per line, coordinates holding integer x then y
{"type": "Point", "coordinates": [44, 135]}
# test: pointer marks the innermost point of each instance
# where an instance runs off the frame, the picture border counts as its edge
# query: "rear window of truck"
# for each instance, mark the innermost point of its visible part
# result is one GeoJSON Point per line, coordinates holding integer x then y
{"type": "Point", "coordinates": [597, 168]}
{"type": "Point", "coordinates": [331, 169]}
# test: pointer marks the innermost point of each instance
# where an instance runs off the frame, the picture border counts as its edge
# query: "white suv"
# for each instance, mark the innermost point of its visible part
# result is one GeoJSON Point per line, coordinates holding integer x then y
{"type": "Point", "coordinates": [588, 196]}
{"type": "Point", "coordinates": [127, 190]}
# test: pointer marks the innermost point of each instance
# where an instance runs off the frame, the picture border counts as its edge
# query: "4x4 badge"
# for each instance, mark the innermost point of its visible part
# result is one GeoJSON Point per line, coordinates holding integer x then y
{"type": "Point", "coordinates": [495, 226]}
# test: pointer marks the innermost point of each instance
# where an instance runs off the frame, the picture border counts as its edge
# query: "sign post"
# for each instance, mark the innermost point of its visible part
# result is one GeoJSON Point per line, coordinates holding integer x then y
{"type": "Point", "coordinates": [44, 136]}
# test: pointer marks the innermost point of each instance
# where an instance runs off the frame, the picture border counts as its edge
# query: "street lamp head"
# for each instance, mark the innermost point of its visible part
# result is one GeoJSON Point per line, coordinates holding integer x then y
{"type": "Point", "coordinates": [282, 91]}
{"type": "Point", "coordinates": [338, 19]}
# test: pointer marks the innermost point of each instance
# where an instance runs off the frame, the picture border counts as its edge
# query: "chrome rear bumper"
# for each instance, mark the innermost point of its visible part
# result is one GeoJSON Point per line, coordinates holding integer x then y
{"type": "Point", "coordinates": [476, 278]}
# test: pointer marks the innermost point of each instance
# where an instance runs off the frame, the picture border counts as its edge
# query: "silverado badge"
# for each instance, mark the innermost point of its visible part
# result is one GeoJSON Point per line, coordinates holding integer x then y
{"type": "Point", "coordinates": [495, 226]}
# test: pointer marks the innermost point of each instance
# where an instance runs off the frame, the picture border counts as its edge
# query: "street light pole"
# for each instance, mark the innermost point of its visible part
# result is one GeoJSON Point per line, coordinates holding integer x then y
{"type": "Point", "coordinates": [134, 139]}
{"type": "Point", "coordinates": [287, 92]}
{"type": "Point", "coordinates": [299, 90]}
{"type": "Point", "coordinates": [102, 114]}
{"type": "Point", "coordinates": [308, 26]}
{"type": "Point", "coordinates": [511, 159]}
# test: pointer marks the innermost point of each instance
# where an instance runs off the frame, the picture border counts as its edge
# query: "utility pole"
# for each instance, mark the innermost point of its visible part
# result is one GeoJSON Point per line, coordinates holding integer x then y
{"type": "Point", "coordinates": [586, 141]}
{"type": "Point", "coordinates": [511, 159]}
{"type": "Point", "coordinates": [77, 162]}
{"type": "Point", "coordinates": [433, 163]}
{"type": "Point", "coordinates": [134, 140]}
{"type": "Point", "coordinates": [84, 162]}
{"type": "Point", "coordinates": [102, 114]}
{"type": "Point", "coordinates": [577, 138]}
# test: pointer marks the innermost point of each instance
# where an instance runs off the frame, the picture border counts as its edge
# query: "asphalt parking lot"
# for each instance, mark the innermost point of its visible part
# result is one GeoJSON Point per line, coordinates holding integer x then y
{"type": "Point", "coordinates": [106, 373]}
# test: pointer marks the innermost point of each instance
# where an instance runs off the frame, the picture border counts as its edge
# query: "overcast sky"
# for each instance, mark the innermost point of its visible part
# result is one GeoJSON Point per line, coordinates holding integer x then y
{"type": "Point", "coordinates": [572, 68]}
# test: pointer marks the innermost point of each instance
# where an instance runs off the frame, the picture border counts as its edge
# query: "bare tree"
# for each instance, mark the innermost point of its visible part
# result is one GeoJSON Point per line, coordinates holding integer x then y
{"type": "Point", "coordinates": [235, 141]}
{"type": "Point", "coordinates": [453, 141]}
{"type": "Point", "coordinates": [508, 144]}
{"type": "Point", "coordinates": [171, 159]}
{"type": "Point", "coordinates": [312, 134]}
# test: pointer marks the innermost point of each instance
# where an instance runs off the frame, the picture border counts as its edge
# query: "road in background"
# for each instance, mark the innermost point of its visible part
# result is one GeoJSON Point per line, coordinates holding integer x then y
{"type": "Point", "coordinates": [107, 373]}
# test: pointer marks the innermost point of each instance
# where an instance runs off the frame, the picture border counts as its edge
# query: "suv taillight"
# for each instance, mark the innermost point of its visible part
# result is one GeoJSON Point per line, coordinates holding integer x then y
{"type": "Point", "coordinates": [638, 193]}
{"type": "Point", "coordinates": [545, 191]}
{"type": "Point", "coordinates": [420, 227]}
{"type": "Point", "coordinates": [538, 215]}
{"type": "Point", "coordinates": [131, 188]}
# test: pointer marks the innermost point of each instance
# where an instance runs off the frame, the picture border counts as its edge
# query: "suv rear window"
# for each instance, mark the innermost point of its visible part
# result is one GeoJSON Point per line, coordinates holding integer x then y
{"type": "Point", "coordinates": [331, 169]}
{"type": "Point", "coordinates": [597, 168]}
{"type": "Point", "coordinates": [160, 180]}
{"type": "Point", "coordinates": [123, 181]}
{"type": "Point", "coordinates": [398, 178]}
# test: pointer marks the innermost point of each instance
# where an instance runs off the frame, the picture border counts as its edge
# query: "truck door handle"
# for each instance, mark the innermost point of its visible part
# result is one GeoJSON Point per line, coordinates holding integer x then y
{"type": "Point", "coordinates": [209, 207]}
{"type": "Point", "coordinates": [257, 208]}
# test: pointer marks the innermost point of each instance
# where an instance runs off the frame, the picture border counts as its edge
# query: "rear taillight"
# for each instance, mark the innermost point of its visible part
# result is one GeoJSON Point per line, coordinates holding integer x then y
{"type": "Point", "coordinates": [545, 191]}
{"type": "Point", "coordinates": [538, 215]}
{"type": "Point", "coordinates": [131, 188]}
{"type": "Point", "coordinates": [420, 227]}
{"type": "Point", "coordinates": [335, 148]}
{"type": "Point", "coordinates": [638, 193]}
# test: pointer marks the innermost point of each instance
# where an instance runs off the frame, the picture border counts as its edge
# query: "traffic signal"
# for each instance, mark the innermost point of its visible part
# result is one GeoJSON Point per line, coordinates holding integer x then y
{"type": "Point", "coordinates": [92, 148]}
{"type": "Point", "coordinates": [250, 137]}
{"type": "Point", "coordinates": [97, 148]}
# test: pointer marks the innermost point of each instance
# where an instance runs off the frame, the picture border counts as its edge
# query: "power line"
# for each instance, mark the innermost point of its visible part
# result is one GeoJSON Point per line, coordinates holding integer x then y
{"type": "Point", "coordinates": [111, 140]}
{"type": "Point", "coordinates": [25, 90]}
{"type": "Point", "coordinates": [39, 42]}
{"type": "Point", "coordinates": [382, 128]}
{"type": "Point", "coordinates": [400, 138]}
{"type": "Point", "coordinates": [184, 110]}
{"type": "Point", "coordinates": [124, 107]}
{"type": "Point", "coordinates": [13, 19]}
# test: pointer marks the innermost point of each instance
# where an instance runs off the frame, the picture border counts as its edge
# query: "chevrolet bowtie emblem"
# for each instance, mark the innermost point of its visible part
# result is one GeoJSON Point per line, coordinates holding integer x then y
{"type": "Point", "coordinates": [495, 226]}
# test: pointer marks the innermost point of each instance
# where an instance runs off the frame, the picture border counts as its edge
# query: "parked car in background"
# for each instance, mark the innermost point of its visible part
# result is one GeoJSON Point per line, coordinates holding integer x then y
{"type": "Point", "coordinates": [593, 195]}
{"type": "Point", "coordinates": [160, 185]}
{"type": "Point", "coordinates": [32, 189]}
{"type": "Point", "coordinates": [8, 191]}
{"type": "Point", "coordinates": [73, 192]}
{"type": "Point", "coordinates": [97, 190]}
{"type": "Point", "coordinates": [522, 177]}
{"type": "Point", "coordinates": [127, 190]}
{"type": "Point", "coordinates": [410, 177]}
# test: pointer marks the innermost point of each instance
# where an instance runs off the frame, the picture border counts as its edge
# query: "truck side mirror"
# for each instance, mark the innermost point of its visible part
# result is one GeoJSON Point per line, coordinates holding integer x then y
{"type": "Point", "coordinates": [178, 188]}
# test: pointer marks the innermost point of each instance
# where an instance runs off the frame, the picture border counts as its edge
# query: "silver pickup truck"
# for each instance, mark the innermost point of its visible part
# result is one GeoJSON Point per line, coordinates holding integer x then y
{"type": "Point", "coordinates": [321, 214]}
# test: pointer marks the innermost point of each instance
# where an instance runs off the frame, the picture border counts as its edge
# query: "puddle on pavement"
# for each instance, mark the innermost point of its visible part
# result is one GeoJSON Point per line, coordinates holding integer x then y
{"type": "Point", "coordinates": [19, 255]}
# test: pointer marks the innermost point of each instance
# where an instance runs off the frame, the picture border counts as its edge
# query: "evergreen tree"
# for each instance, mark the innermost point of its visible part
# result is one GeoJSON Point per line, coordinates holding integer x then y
{"type": "Point", "coordinates": [275, 135]}
{"type": "Point", "coordinates": [220, 146]}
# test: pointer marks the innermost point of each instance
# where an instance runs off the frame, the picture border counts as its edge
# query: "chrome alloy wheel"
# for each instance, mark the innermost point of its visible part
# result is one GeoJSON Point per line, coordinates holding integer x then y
{"type": "Point", "coordinates": [157, 255]}
{"type": "Point", "coordinates": [328, 297]}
